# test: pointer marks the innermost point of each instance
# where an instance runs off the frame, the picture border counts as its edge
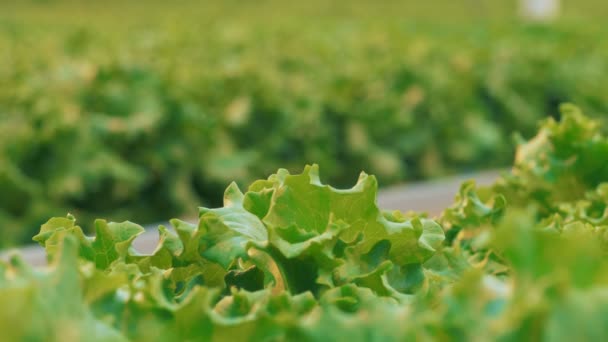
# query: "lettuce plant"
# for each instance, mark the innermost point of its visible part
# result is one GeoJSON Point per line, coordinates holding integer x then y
{"type": "Point", "coordinates": [293, 259]}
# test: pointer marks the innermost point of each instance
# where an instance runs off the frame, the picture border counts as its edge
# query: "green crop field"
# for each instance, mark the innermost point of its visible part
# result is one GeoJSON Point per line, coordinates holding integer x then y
{"type": "Point", "coordinates": [133, 111]}
{"type": "Point", "coordinates": [258, 117]}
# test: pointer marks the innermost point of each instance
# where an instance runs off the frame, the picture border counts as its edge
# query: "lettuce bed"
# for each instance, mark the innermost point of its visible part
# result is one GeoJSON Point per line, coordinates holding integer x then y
{"type": "Point", "coordinates": [292, 259]}
{"type": "Point", "coordinates": [136, 121]}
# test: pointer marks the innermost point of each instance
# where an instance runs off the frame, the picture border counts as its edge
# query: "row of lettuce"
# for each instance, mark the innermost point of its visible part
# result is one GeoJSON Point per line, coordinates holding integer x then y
{"type": "Point", "coordinates": [141, 124]}
{"type": "Point", "coordinates": [292, 259]}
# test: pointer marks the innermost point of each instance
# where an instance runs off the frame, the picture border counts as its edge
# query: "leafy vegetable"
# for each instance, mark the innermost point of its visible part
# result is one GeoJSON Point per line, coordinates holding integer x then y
{"type": "Point", "coordinates": [292, 259]}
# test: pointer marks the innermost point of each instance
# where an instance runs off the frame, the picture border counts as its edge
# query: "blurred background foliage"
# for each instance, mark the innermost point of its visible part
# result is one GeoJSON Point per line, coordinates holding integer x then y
{"type": "Point", "coordinates": [141, 111]}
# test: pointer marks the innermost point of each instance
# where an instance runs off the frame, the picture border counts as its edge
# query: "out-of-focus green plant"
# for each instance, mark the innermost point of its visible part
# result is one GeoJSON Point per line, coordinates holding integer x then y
{"type": "Point", "coordinates": [138, 121]}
